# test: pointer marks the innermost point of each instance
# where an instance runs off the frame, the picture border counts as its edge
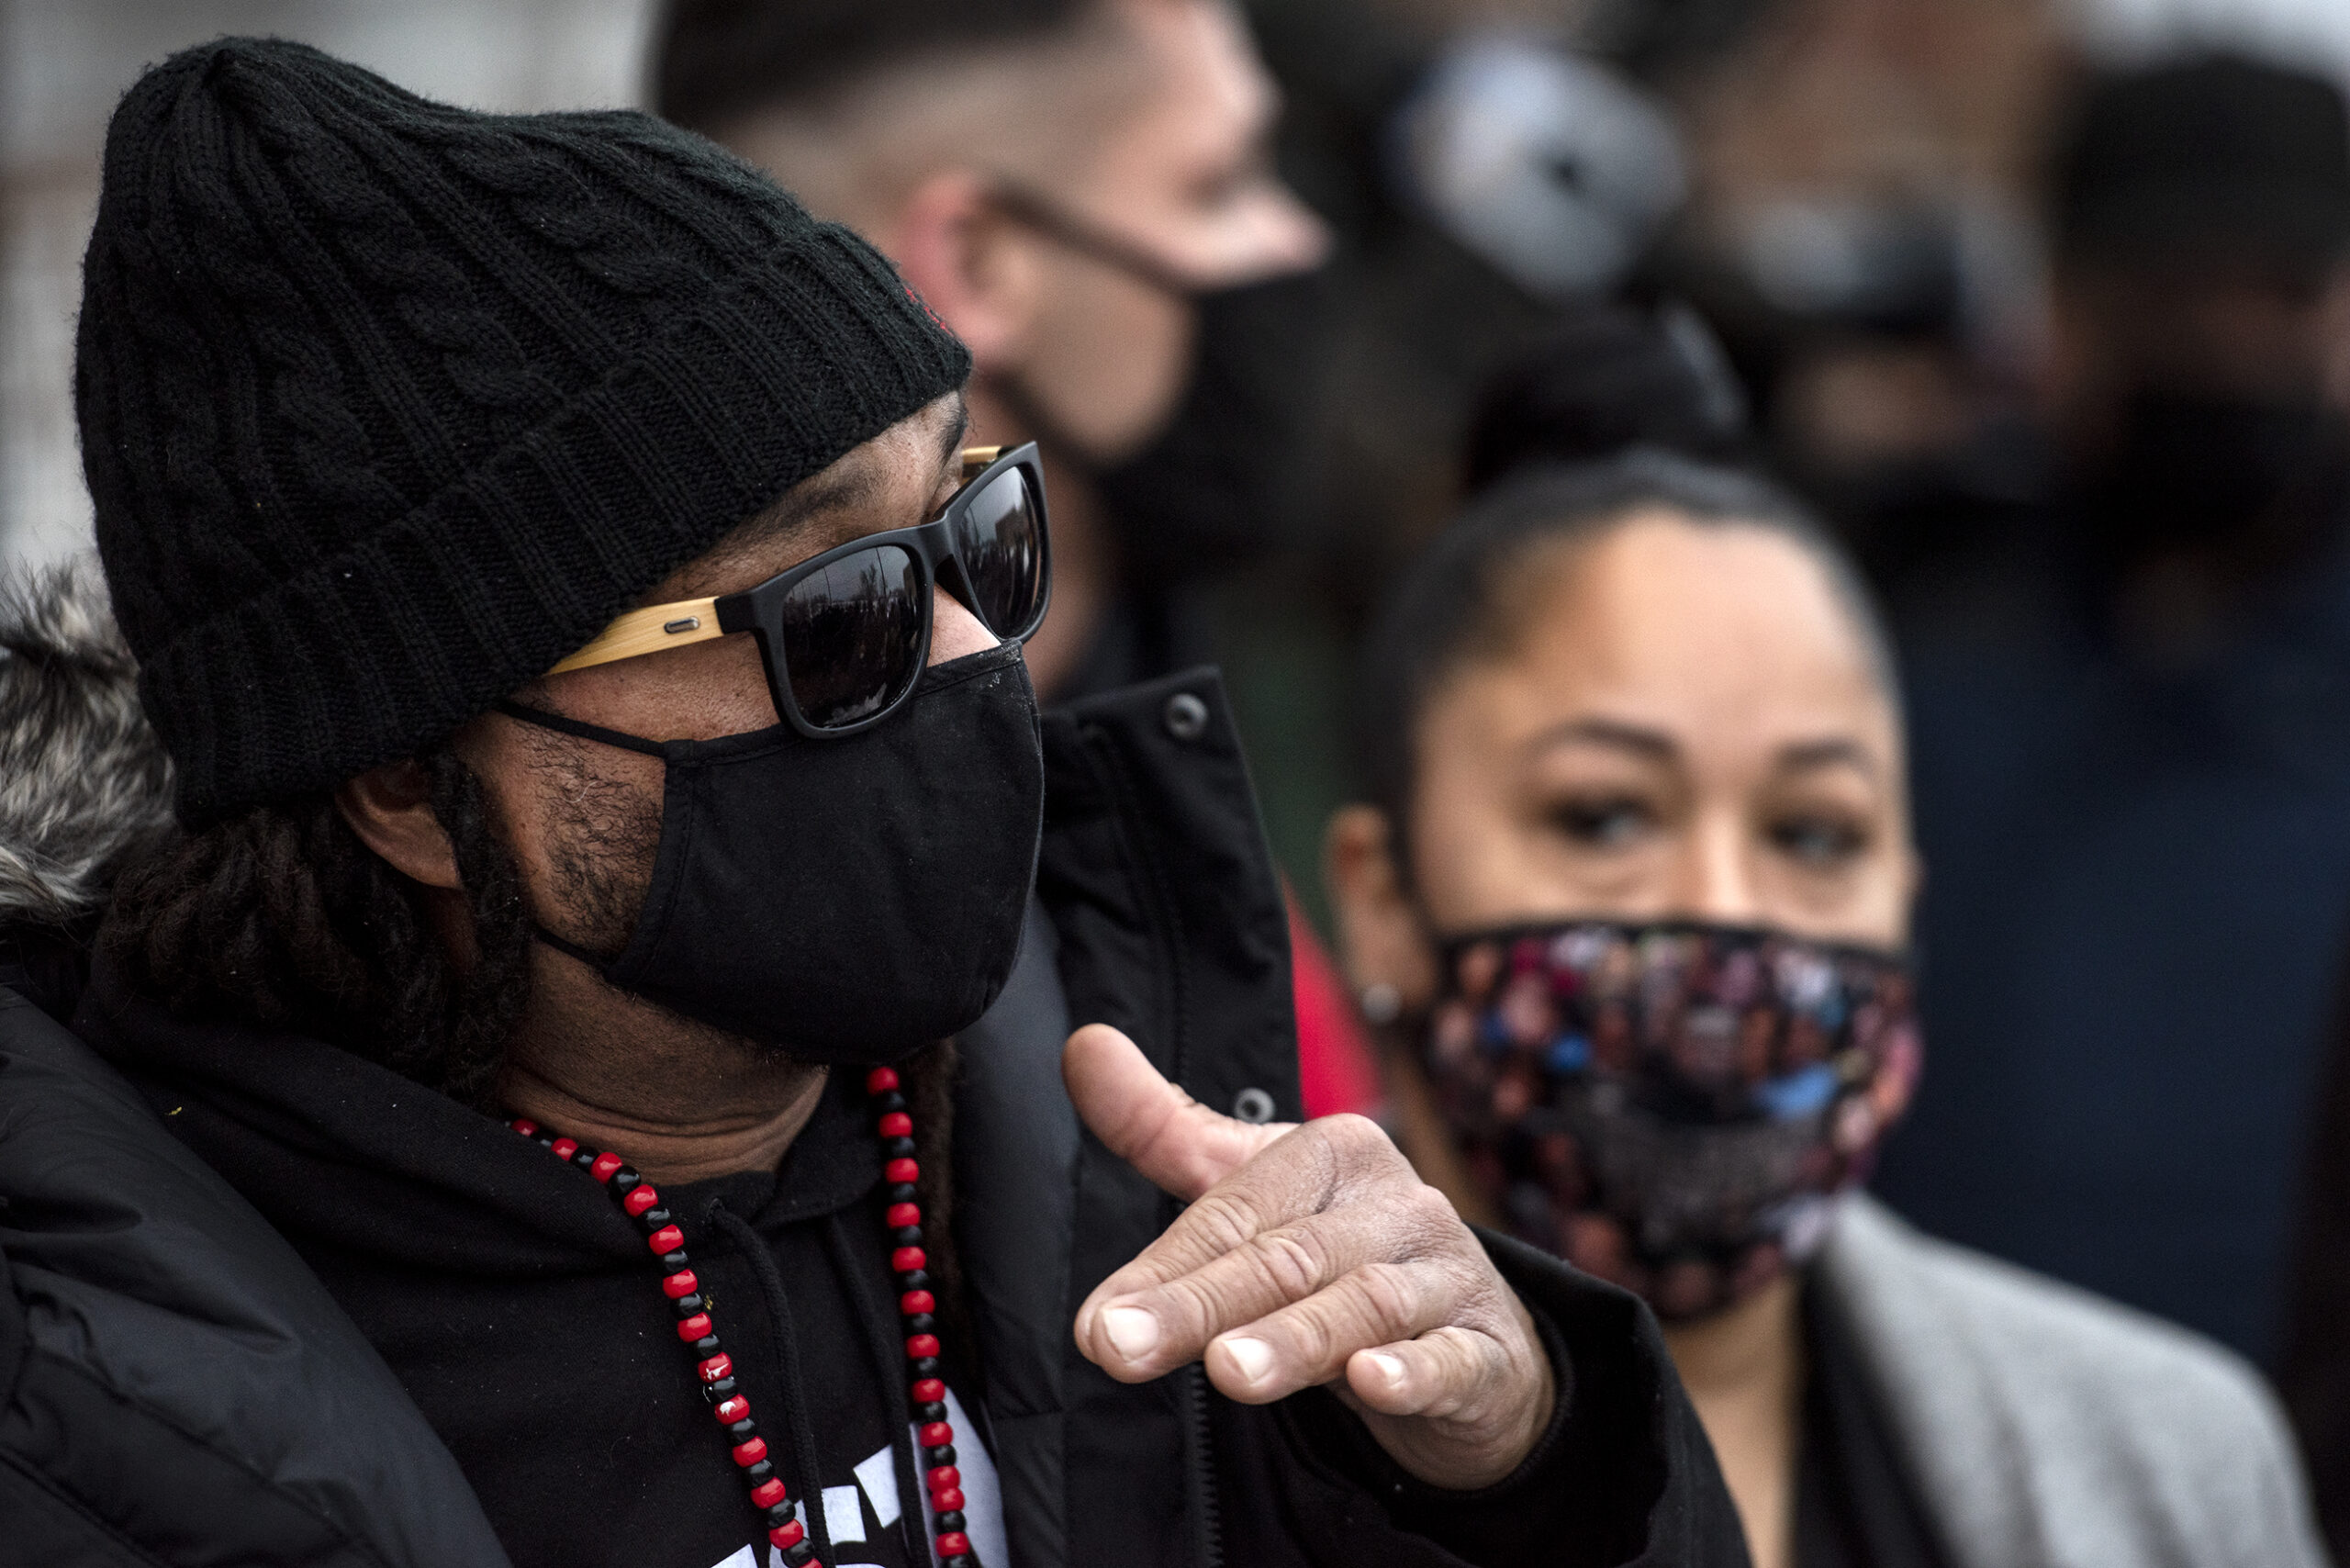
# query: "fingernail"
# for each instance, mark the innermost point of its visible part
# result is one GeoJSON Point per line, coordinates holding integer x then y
{"type": "Point", "coordinates": [1251, 1358]}
{"type": "Point", "coordinates": [1133, 1331]}
{"type": "Point", "coordinates": [1391, 1368]}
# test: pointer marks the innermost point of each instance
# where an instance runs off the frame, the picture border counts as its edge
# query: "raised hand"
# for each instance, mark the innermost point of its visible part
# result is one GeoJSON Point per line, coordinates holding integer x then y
{"type": "Point", "coordinates": [1310, 1254]}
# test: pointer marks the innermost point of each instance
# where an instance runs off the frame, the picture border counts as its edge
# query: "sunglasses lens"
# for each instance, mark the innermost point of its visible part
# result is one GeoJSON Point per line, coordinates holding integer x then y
{"type": "Point", "coordinates": [852, 635]}
{"type": "Point", "coordinates": [999, 539]}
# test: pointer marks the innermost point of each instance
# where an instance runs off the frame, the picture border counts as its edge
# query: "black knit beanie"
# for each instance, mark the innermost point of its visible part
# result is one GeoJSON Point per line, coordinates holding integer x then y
{"type": "Point", "coordinates": [387, 406]}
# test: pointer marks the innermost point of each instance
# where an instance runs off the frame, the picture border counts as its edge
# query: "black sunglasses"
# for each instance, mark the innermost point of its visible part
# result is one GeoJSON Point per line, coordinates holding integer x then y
{"type": "Point", "coordinates": [846, 634]}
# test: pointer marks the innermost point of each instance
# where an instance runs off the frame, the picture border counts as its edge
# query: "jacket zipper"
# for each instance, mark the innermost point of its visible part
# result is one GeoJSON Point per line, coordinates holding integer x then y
{"type": "Point", "coordinates": [1199, 1470]}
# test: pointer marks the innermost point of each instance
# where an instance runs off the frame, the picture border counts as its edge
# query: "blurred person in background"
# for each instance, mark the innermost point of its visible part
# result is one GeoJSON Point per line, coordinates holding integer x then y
{"type": "Point", "coordinates": [1633, 891]}
{"type": "Point", "coordinates": [1877, 383]}
{"type": "Point", "coordinates": [1061, 181]}
{"type": "Point", "coordinates": [1073, 186]}
{"type": "Point", "coordinates": [2131, 723]}
{"type": "Point", "coordinates": [1859, 230]}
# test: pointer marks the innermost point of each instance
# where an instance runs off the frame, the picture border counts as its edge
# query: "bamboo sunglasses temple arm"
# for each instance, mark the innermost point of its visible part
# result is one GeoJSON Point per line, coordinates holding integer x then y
{"type": "Point", "coordinates": [659, 626]}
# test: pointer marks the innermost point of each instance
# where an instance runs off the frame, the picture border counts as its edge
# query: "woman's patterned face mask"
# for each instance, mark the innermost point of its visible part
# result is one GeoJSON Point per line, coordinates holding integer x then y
{"type": "Point", "coordinates": [1673, 1107]}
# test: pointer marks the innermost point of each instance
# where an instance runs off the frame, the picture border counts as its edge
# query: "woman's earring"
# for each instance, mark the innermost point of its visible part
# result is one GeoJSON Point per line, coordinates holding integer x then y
{"type": "Point", "coordinates": [1380, 1002]}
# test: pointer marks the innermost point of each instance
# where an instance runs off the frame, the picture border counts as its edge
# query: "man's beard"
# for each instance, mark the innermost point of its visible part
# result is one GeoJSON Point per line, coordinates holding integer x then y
{"type": "Point", "coordinates": [603, 840]}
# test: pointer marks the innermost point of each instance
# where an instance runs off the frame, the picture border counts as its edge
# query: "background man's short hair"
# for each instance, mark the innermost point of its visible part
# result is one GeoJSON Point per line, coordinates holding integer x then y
{"type": "Point", "coordinates": [719, 62]}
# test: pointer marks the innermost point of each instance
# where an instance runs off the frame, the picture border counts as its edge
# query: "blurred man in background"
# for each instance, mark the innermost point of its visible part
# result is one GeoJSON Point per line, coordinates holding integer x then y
{"type": "Point", "coordinates": [1061, 181]}
{"type": "Point", "coordinates": [2132, 726]}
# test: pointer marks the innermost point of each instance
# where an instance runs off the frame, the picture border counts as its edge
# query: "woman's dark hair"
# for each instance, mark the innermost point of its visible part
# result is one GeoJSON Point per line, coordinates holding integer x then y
{"type": "Point", "coordinates": [1615, 417]}
{"type": "Point", "coordinates": [1604, 381]}
{"type": "Point", "coordinates": [282, 918]}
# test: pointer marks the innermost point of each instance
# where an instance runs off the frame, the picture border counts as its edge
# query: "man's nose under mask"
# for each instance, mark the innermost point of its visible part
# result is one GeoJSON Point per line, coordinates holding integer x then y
{"type": "Point", "coordinates": [845, 901]}
{"type": "Point", "coordinates": [1675, 1107]}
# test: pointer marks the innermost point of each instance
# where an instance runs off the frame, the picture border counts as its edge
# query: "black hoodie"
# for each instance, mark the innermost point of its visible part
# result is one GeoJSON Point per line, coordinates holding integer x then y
{"type": "Point", "coordinates": [524, 1314]}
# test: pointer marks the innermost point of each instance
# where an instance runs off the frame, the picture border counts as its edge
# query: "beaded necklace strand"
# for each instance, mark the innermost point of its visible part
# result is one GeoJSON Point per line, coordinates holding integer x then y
{"type": "Point", "coordinates": [916, 1309]}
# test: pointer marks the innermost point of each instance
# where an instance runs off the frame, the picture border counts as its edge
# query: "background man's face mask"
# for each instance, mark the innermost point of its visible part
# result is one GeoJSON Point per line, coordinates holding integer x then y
{"type": "Point", "coordinates": [1224, 484]}
{"type": "Point", "coordinates": [1221, 486]}
{"type": "Point", "coordinates": [846, 901]}
{"type": "Point", "coordinates": [1673, 1107]}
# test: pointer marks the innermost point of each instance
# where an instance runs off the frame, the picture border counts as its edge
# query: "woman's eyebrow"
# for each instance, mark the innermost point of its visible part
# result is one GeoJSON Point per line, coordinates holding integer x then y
{"type": "Point", "coordinates": [1654, 744]}
{"type": "Point", "coordinates": [1833, 750]}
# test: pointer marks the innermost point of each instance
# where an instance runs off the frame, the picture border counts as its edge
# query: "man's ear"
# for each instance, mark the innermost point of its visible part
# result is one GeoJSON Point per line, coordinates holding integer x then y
{"type": "Point", "coordinates": [390, 807]}
{"type": "Point", "coordinates": [975, 268]}
{"type": "Point", "coordinates": [1380, 940]}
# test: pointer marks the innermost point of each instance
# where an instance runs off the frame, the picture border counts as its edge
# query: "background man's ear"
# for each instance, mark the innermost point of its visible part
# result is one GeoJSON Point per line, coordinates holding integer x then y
{"type": "Point", "coordinates": [1380, 940]}
{"type": "Point", "coordinates": [390, 807]}
{"type": "Point", "coordinates": [977, 269]}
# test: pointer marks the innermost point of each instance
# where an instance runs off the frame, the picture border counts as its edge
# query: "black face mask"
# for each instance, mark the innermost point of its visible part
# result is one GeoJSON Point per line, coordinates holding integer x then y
{"type": "Point", "coordinates": [1223, 484]}
{"type": "Point", "coordinates": [846, 901]}
{"type": "Point", "coordinates": [2200, 470]}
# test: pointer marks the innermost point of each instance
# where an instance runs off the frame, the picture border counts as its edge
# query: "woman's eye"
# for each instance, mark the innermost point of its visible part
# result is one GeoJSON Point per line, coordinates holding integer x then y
{"type": "Point", "coordinates": [1819, 841]}
{"type": "Point", "coordinates": [1603, 823]}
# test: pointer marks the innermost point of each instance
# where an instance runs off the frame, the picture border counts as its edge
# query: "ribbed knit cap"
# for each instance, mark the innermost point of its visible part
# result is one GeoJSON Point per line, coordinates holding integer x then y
{"type": "Point", "coordinates": [387, 406]}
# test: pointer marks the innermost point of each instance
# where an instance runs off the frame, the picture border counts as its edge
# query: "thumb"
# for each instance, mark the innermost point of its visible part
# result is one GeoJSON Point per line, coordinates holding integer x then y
{"type": "Point", "coordinates": [1178, 1143]}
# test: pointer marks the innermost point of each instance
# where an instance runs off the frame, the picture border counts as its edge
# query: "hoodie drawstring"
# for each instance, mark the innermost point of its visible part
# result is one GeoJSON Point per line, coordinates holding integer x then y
{"type": "Point", "coordinates": [805, 1482]}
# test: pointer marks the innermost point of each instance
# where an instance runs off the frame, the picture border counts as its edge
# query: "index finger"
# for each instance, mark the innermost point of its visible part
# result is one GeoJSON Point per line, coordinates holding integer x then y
{"type": "Point", "coordinates": [1293, 1177]}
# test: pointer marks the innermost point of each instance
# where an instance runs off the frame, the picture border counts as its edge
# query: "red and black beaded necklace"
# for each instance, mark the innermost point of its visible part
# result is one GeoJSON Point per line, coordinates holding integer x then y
{"type": "Point", "coordinates": [916, 1305]}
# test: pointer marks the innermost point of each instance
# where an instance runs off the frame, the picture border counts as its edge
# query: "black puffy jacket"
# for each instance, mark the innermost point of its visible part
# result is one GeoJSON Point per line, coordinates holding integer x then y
{"type": "Point", "coordinates": [175, 1384]}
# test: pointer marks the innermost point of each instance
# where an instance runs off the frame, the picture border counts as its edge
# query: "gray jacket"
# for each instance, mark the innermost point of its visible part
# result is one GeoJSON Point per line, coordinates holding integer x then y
{"type": "Point", "coordinates": [2049, 1428]}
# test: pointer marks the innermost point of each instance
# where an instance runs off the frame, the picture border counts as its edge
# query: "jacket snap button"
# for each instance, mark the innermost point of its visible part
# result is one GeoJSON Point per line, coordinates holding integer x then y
{"type": "Point", "coordinates": [1186, 716]}
{"type": "Point", "coordinates": [1253, 1105]}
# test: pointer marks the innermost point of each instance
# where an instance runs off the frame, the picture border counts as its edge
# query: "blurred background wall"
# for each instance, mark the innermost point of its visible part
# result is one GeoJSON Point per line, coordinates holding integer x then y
{"type": "Point", "coordinates": [64, 62]}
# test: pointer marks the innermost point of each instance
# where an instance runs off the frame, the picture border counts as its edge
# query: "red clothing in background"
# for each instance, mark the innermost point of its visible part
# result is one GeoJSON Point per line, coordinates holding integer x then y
{"type": "Point", "coordinates": [1335, 1067]}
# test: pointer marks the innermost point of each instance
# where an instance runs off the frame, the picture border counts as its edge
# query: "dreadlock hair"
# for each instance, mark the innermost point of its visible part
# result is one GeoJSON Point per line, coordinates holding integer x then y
{"type": "Point", "coordinates": [282, 919]}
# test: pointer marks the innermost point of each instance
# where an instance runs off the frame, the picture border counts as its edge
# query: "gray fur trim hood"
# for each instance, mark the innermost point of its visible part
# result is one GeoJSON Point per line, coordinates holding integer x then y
{"type": "Point", "coordinates": [84, 781]}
